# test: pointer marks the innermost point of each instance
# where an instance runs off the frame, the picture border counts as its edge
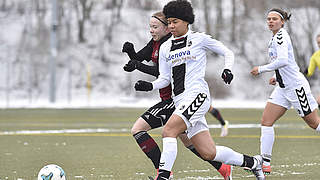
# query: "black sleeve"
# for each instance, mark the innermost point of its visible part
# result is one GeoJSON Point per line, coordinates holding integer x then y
{"type": "Point", "coordinates": [151, 70]}
{"type": "Point", "coordinates": [144, 54]}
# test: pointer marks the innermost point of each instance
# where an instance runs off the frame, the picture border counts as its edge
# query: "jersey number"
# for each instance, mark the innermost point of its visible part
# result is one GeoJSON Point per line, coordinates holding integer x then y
{"type": "Point", "coordinates": [178, 75]}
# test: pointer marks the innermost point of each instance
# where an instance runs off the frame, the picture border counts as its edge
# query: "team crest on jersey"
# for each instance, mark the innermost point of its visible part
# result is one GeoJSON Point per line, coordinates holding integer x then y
{"type": "Point", "coordinates": [156, 53]}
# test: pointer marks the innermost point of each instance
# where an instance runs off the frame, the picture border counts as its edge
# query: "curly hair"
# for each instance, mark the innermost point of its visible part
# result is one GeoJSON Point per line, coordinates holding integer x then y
{"type": "Point", "coordinates": [180, 9]}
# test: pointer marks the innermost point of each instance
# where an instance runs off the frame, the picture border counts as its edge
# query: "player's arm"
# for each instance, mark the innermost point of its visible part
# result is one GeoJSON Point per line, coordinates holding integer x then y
{"type": "Point", "coordinates": [164, 71]}
{"type": "Point", "coordinates": [162, 81]}
{"type": "Point", "coordinates": [282, 59]}
{"type": "Point", "coordinates": [312, 66]}
{"type": "Point", "coordinates": [219, 48]}
{"type": "Point", "coordinates": [137, 58]}
{"type": "Point", "coordinates": [144, 54]}
{"type": "Point", "coordinates": [134, 64]}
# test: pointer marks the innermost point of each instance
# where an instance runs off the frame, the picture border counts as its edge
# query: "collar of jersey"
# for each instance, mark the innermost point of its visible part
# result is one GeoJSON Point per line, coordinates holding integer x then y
{"type": "Point", "coordinates": [183, 36]}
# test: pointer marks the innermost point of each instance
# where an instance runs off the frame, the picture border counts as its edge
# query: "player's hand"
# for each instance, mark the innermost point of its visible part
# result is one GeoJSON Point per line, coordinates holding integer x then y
{"type": "Point", "coordinates": [127, 47]}
{"type": "Point", "coordinates": [143, 86]}
{"type": "Point", "coordinates": [227, 76]}
{"type": "Point", "coordinates": [272, 81]}
{"type": "Point", "coordinates": [254, 71]}
{"type": "Point", "coordinates": [131, 65]}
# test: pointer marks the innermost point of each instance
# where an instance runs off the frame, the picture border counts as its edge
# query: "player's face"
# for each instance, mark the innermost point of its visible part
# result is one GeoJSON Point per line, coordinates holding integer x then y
{"type": "Point", "coordinates": [318, 41]}
{"type": "Point", "coordinates": [177, 27]}
{"type": "Point", "coordinates": [157, 29]}
{"type": "Point", "coordinates": [274, 22]}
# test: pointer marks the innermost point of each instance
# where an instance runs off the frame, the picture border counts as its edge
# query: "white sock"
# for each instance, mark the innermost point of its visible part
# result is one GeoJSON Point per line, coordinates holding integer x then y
{"type": "Point", "coordinates": [169, 153]}
{"type": "Point", "coordinates": [228, 156]}
{"type": "Point", "coordinates": [266, 142]}
{"type": "Point", "coordinates": [318, 128]}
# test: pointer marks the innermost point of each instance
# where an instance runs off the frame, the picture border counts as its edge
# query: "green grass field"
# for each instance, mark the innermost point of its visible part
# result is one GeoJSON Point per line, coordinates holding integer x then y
{"type": "Point", "coordinates": [96, 144]}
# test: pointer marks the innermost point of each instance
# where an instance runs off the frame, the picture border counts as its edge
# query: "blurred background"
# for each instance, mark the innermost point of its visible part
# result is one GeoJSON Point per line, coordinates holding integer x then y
{"type": "Point", "coordinates": [68, 52]}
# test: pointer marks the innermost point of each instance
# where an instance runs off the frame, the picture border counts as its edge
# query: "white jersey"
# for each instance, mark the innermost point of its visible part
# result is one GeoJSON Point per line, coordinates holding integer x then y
{"type": "Point", "coordinates": [182, 62]}
{"type": "Point", "coordinates": [282, 61]}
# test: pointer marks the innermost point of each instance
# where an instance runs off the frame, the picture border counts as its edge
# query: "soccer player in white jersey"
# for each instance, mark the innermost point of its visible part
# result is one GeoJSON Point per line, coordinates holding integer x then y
{"type": "Point", "coordinates": [292, 90]}
{"type": "Point", "coordinates": [182, 62]}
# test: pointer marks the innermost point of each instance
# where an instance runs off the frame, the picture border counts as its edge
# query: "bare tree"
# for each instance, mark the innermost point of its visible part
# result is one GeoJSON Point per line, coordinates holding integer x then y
{"type": "Point", "coordinates": [219, 21]}
{"type": "Point", "coordinates": [113, 19]}
{"type": "Point", "coordinates": [233, 21]}
{"type": "Point", "coordinates": [83, 9]}
{"type": "Point", "coordinates": [206, 6]}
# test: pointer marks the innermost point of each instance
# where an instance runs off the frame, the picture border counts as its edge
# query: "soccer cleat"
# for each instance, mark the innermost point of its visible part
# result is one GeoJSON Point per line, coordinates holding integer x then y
{"type": "Point", "coordinates": [257, 168]}
{"type": "Point", "coordinates": [170, 177]}
{"type": "Point", "coordinates": [226, 171]}
{"type": "Point", "coordinates": [224, 129]}
{"type": "Point", "coordinates": [266, 169]}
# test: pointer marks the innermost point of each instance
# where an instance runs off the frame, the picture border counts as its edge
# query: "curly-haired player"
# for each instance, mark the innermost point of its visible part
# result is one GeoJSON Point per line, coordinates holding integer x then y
{"type": "Point", "coordinates": [182, 62]}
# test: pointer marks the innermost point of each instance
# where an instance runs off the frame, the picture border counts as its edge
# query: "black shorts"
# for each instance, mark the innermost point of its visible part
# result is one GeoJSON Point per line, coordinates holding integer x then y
{"type": "Point", "coordinates": [158, 115]}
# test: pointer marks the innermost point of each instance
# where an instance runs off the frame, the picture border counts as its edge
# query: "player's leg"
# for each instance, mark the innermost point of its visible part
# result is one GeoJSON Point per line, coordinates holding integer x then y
{"type": "Point", "coordinates": [313, 120]}
{"type": "Point", "coordinates": [206, 147]}
{"type": "Point", "coordinates": [276, 106]}
{"type": "Point", "coordinates": [306, 106]}
{"type": "Point", "coordinates": [271, 113]}
{"type": "Point", "coordinates": [145, 141]}
{"type": "Point", "coordinates": [224, 124]}
{"type": "Point", "coordinates": [223, 169]}
{"type": "Point", "coordinates": [170, 132]}
{"type": "Point", "coordinates": [153, 118]}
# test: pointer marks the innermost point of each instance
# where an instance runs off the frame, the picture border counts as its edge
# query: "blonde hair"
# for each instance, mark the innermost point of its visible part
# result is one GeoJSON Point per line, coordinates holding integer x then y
{"type": "Point", "coordinates": [161, 17]}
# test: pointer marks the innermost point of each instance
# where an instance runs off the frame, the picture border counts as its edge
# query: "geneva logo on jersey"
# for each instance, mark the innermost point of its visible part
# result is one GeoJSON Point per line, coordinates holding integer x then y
{"type": "Point", "coordinates": [178, 55]}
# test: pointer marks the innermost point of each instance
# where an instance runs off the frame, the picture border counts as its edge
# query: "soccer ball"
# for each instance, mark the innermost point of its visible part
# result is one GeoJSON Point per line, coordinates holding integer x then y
{"type": "Point", "coordinates": [51, 172]}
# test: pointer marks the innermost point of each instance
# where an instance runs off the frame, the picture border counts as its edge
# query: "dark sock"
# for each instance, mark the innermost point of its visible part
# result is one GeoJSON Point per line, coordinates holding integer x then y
{"type": "Point", "coordinates": [266, 160]}
{"type": "Point", "coordinates": [215, 164]}
{"type": "Point", "coordinates": [163, 173]}
{"type": "Point", "coordinates": [215, 112]}
{"type": "Point", "coordinates": [319, 106]}
{"type": "Point", "coordinates": [248, 161]}
{"type": "Point", "coordinates": [149, 147]}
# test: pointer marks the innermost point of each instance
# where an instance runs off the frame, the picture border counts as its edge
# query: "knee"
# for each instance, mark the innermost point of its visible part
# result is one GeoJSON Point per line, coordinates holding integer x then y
{"type": "Point", "coordinates": [266, 122]}
{"type": "Point", "coordinates": [137, 127]}
{"type": "Point", "coordinates": [134, 130]}
{"type": "Point", "coordinates": [169, 132]}
{"type": "Point", "coordinates": [208, 156]}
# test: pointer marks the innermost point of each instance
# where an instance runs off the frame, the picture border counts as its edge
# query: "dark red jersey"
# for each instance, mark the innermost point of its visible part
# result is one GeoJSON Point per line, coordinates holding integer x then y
{"type": "Point", "coordinates": [165, 93]}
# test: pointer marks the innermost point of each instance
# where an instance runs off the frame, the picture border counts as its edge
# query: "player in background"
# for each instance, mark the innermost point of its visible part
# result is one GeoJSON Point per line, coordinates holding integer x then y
{"type": "Point", "coordinates": [157, 115]}
{"type": "Point", "coordinates": [292, 90]}
{"type": "Point", "coordinates": [182, 62]}
{"type": "Point", "coordinates": [313, 64]}
{"type": "Point", "coordinates": [224, 124]}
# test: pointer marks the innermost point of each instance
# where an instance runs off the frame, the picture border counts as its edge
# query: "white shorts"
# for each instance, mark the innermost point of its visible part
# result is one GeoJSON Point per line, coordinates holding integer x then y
{"type": "Point", "coordinates": [299, 97]}
{"type": "Point", "coordinates": [192, 110]}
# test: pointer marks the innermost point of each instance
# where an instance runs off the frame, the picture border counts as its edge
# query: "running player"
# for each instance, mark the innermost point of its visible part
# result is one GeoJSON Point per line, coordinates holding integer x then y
{"type": "Point", "coordinates": [292, 90]}
{"type": "Point", "coordinates": [182, 62]}
{"type": "Point", "coordinates": [158, 115]}
{"type": "Point", "coordinates": [314, 62]}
